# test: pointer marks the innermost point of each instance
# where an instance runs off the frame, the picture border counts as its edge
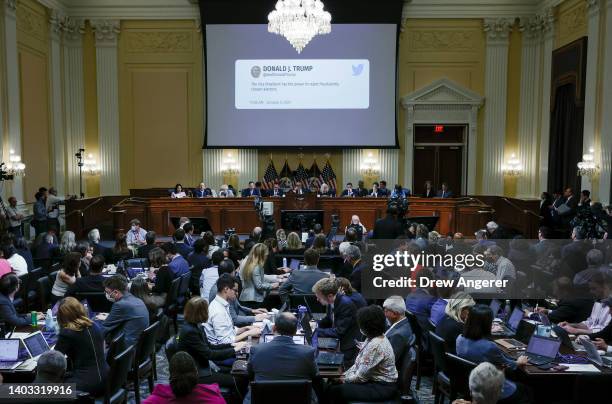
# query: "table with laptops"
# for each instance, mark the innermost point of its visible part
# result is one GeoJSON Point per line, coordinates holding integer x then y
{"type": "Point", "coordinates": [329, 360]}
{"type": "Point", "coordinates": [19, 353]}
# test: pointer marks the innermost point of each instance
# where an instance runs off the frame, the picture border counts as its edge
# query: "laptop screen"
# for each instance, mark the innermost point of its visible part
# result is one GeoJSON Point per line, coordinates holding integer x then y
{"type": "Point", "coordinates": [543, 346]}
{"type": "Point", "coordinates": [495, 305]}
{"type": "Point", "coordinates": [294, 264]}
{"type": "Point", "coordinates": [36, 344]}
{"type": "Point", "coordinates": [297, 339]}
{"type": "Point", "coordinates": [515, 318]}
{"type": "Point", "coordinates": [9, 349]}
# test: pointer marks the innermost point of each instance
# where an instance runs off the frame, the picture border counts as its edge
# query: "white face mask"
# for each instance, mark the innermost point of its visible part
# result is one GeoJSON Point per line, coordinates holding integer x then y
{"type": "Point", "coordinates": [110, 298]}
{"type": "Point", "coordinates": [133, 228]}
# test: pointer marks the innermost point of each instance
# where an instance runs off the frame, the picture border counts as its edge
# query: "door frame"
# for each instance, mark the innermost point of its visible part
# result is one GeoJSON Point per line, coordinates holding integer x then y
{"type": "Point", "coordinates": [443, 102]}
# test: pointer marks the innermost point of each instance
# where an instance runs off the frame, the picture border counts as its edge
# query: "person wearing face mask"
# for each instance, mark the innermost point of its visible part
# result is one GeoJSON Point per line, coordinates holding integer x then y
{"type": "Point", "coordinates": [137, 235]}
{"type": "Point", "coordinates": [373, 377]}
{"type": "Point", "coordinates": [356, 224]}
{"type": "Point", "coordinates": [399, 332]}
{"type": "Point", "coordinates": [128, 315]}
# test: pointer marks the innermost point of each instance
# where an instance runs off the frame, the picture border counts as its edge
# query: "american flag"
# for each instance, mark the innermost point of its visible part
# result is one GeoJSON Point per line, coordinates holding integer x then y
{"type": "Point", "coordinates": [314, 173]}
{"type": "Point", "coordinates": [328, 176]}
{"type": "Point", "coordinates": [270, 176]}
{"type": "Point", "coordinates": [301, 175]}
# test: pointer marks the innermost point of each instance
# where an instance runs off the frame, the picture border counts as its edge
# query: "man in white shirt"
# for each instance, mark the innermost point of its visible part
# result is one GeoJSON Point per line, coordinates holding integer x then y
{"type": "Point", "coordinates": [14, 217]}
{"type": "Point", "coordinates": [136, 236]}
{"type": "Point", "coordinates": [600, 286]}
{"type": "Point", "coordinates": [220, 328]}
{"type": "Point", "coordinates": [53, 211]}
{"type": "Point", "coordinates": [17, 262]}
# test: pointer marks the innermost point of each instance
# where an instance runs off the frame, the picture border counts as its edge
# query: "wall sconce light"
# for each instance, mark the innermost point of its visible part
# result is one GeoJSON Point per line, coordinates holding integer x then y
{"type": "Point", "coordinates": [15, 166]}
{"type": "Point", "coordinates": [230, 166]}
{"type": "Point", "coordinates": [513, 167]}
{"type": "Point", "coordinates": [587, 167]}
{"type": "Point", "coordinates": [90, 167]}
{"type": "Point", "coordinates": [370, 166]}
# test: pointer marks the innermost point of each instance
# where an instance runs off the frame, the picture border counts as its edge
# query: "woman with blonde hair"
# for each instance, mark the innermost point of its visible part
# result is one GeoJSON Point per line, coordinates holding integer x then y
{"type": "Point", "coordinates": [456, 313]}
{"type": "Point", "coordinates": [294, 244]}
{"type": "Point", "coordinates": [254, 284]}
{"type": "Point", "coordinates": [82, 341]}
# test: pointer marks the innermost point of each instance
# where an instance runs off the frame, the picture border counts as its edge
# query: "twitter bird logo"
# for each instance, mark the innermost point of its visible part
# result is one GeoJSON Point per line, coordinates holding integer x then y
{"type": "Point", "coordinates": [357, 70]}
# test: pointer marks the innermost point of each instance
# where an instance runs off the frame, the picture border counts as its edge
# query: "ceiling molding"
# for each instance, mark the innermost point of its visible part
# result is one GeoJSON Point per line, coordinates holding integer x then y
{"type": "Point", "coordinates": [127, 9]}
{"type": "Point", "coordinates": [474, 8]}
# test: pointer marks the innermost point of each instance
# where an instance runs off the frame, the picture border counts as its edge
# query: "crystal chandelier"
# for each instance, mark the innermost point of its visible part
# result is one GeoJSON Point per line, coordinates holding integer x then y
{"type": "Point", "coordinates": [513, 167]}
{"type": "Point", "coordinates": [90, 167]}
{"type": "Point", "coordinates": [370, 167]}
{"type": "Point", "coordinates": [587, 167]}
{"type": "Point", "coordinates": [299, 21]}
{"type": "Point", "coordinates": [15, 166]}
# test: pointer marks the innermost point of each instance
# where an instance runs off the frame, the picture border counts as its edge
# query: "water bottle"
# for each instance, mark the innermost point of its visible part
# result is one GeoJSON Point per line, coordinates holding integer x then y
{"type": "Point", "coordinates": [284, 262]}
{"type": "Point", "coordinates": [249, 344]}
{"type": "Point", "coordinates": [49, 323]}
{"type": "Point", "coordinates": [86, 306]}
{"type": "Point", "coordinates": [302, 310]}
{"type": "Point", "coordinates": [507, 310]}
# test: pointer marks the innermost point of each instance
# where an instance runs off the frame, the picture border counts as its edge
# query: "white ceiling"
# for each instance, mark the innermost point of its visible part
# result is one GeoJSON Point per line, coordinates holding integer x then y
{"type": "Point", "coordinates": [188, 9]}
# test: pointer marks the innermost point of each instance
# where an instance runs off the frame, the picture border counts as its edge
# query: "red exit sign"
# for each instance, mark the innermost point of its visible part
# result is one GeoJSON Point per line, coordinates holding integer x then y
{"type": "Point", "coordinates": [439, 129]}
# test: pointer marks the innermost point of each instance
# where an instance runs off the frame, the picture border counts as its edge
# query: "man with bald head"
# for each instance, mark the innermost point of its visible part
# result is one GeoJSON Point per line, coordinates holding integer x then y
{"type": "Point", "coordinates": [281, 358]}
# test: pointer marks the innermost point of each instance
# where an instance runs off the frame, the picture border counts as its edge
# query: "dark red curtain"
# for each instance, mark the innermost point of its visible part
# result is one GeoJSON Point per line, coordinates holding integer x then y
{"type": "Point", "coordinates": [565, 149]}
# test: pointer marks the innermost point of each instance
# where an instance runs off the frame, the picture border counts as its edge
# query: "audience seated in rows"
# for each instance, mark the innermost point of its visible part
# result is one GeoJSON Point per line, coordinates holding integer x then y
{"type": "Point", "coordinates": [160, 276]}
{"type": "Point", "coordinates": [9, 286]}
{"type": "Point", "coordinates": [120, 250]}
{"type": "Point", "coordinates": [210, 274]}
{"type": "Point", "coordinates": [139, 287]}
{"type": "Point", "coordinates": [93, 282]}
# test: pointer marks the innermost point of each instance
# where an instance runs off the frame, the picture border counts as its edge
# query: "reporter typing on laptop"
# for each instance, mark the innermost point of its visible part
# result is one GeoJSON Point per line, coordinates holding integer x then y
{"type": "Point", "coordinates": [9, 286]}
{"type": "Point", "coordinates": [474, 345]}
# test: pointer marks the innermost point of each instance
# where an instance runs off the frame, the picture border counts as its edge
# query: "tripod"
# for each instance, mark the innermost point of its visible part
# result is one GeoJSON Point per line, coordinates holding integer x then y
{"type": "Point", "coordinates": [80, 164]}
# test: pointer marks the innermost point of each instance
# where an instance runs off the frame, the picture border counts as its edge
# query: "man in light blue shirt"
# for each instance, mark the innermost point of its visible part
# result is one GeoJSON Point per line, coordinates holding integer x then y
{"type": "Point", "coordinates": [136, 236]}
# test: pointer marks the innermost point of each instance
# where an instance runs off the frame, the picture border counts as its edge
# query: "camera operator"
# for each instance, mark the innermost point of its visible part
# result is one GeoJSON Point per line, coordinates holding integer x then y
{"type": "Point", "coordinates": [389, 227]}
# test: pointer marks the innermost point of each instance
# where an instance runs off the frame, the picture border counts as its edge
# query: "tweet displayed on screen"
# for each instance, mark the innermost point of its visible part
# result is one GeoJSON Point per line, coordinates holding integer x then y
{"type": "Point", "coordinates": [339, 92]}
{"type": "Point", "coordinates": [302, 84]}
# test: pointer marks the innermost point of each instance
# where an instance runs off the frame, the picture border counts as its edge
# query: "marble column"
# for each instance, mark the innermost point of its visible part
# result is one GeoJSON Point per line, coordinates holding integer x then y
{"type": "Point", "coordinates": [74, 99]}
{"type": "Point", "coordinates": [56, 22]}
{"type": "Point", "coordinates": [605, 179]}
{"type": "Point", "coordinates": [496, 85]}
{"type": "Point", "coordinates": [529, 113]}
{"type": "Point", "coordinates": [548, 41]}
{"type": "Point", "coordinates": [351, 166]}
{"type": "Point", "coordinates": [408, 145]}
{"type": "Point", "coordinates": [12, 119]}
{"type": "Point", "coordinates": [389, 167]}
{"type": "Point", "coordinates": [106, 35]}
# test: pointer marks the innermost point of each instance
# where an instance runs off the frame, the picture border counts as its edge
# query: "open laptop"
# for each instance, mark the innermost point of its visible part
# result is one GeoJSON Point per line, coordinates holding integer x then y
{"type": "Point", "coordinates": [317, 342]}
{"type": "Point", "coordinates": [495, 305]}
{"type": "Point", "coordinates": [36, 344]}
{"type": "Point", "coordinates": [329, 359]}
{"type": "Point", "coordinates": [294, 264]}
{"type": "Point", "coordinates": [542, 350]}
{"type": "Point", "coordinates": [591, 351]}
{"type": "Point", "coordinates": [9, 354]}
{"type": "Point", "coordinates": [566, 340]}
{"type": "Point", "coordinates": [511, 325]}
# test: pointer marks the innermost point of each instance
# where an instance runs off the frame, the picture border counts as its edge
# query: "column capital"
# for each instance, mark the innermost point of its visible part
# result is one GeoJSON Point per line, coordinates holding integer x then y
{"type": "Point", "coordinates": [56, 23]}
{"type": "Point", "coordinates": [74, 29]}
{"type": "Point", "coordinates": [497, 29]}
{"type": "Point", "coordinates": [532, 26]}
{"type": "Point", "coordinates": [593, 7]}
{"type": "Point", "coordinates": [10, 7]}
{"type": "Point", "coordinates": [106, 32]}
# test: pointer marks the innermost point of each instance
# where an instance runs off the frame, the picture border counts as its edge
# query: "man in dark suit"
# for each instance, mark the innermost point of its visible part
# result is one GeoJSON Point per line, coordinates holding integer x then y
{"type": "Point", "coordinates": [281, 358]}
{"type": "Point", "coordinates": [179, 243]}
{"type": "Point", "coordinates": [384, 191]}
{"type": "Point", "coordinates": [352, 255]}
{"type": "Point", "coordinates": [361, 190]}
{"type": "Point", "coordinates": [349, 192]}
{"type": "Point", "coordinates": [202, 191]}
{"type": "Point", "coordinates": [302, 280]}
{"type": "Point", "coordinates": [399, 333]}
{"type": "Point", "coordinates": [571, 307]}
{"type": "Point", "coordinates": [574, 253]}
{"type": "Point", "coordinates": [341, 319]}
{"type": "Point", "coordinates": [428, 192]}
{"type": "Point", "coordinates": [300, 189]}
{"type": "Point", "coordinates": [143, 250]}
{"type": "Point", "coordinates": [98, 249]}
{"type": "Point", "coordinates": [445, 192]}
{"type": "Point", "coordinates": [252, 190]}
{"type": "Point", "coordinates": [128, 315]}
{"type": "Point", "coordinates": [92, 282]}
{"type": "Point", "coordinates": [375, 191]}
{"type": "Point", "coordinates": [567, 210]}
{"type": "Point", "coordinates": [9, 285]}
{"type": "Point", "coordinates": [388, 228]}
{"type": "Point", "coordinates": [276, 191]}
